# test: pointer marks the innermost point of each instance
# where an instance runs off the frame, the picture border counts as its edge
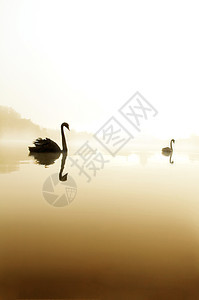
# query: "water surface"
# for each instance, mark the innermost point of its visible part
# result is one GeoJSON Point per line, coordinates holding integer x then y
{"type": "Point", "coordinates": [131, 233]}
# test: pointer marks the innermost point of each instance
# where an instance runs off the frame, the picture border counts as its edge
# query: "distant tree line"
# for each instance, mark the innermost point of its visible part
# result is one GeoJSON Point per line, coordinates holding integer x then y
{"type": "Point", "coordinates": [12, 125]}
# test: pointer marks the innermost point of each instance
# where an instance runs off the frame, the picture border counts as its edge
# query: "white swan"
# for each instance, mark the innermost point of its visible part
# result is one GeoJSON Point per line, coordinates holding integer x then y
{"type": "Point", "coordinates": [167, 149]}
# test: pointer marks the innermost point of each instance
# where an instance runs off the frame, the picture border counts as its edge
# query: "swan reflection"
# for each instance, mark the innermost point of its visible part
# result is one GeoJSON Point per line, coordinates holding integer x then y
{"type": "Point", "coordinates": [47, 159]}
{"type": "Point", "coordinates": [170, 154]}
{"type": "Point", "coordinates": [61, 176]}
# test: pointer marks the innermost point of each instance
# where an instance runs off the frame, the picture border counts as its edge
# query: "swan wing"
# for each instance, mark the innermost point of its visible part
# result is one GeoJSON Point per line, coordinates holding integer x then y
{"type": "Point", "coordinates": [167, 149]}
{"type": "Point", "coordinates": [44, 145]}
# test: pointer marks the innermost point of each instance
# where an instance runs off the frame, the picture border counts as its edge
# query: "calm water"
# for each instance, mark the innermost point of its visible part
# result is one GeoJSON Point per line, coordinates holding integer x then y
{"type": "Point", "coordinates": [131, 233]}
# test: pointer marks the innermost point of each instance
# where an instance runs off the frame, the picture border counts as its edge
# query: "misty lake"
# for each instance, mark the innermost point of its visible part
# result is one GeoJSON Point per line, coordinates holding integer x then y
{"type": "Point", "coordinates": [132, 232]}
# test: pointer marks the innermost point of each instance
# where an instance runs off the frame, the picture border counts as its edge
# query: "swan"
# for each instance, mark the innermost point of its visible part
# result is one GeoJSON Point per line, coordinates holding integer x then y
{"type": "Point", "coordinates": [47, 145]}
{"type": "Point", "coordinates": [168, 149]}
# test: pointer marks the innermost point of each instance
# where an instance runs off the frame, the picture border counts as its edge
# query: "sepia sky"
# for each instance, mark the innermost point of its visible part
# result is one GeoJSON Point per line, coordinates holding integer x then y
{"type": "Point", "coordinates": [79, 61]}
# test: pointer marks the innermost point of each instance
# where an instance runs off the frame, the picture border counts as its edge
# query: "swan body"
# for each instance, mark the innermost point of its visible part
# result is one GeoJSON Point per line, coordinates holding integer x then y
{"type": "Point", "coordinates": [48, 146]}
{"type": "Point", "coordinates": [168, 150]}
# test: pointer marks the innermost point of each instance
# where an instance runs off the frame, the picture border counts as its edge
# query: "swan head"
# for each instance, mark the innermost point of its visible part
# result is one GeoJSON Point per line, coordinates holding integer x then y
{"type": "Point", "coordinates": [173, 141]}
{"type": "Point", "coordinates": [66, 125]}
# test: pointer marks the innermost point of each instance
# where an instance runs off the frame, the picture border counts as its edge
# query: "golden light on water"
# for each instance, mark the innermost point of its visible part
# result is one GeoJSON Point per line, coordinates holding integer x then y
{"type": "Point", "coordinates": [132, 231]}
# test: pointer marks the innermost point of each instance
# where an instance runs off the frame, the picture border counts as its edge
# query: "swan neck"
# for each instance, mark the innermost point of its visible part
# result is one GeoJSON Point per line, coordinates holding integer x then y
{"type": "Point", "coordinates": [64, 146]}
{"type": "Point", "coordinates": [171, 145]}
